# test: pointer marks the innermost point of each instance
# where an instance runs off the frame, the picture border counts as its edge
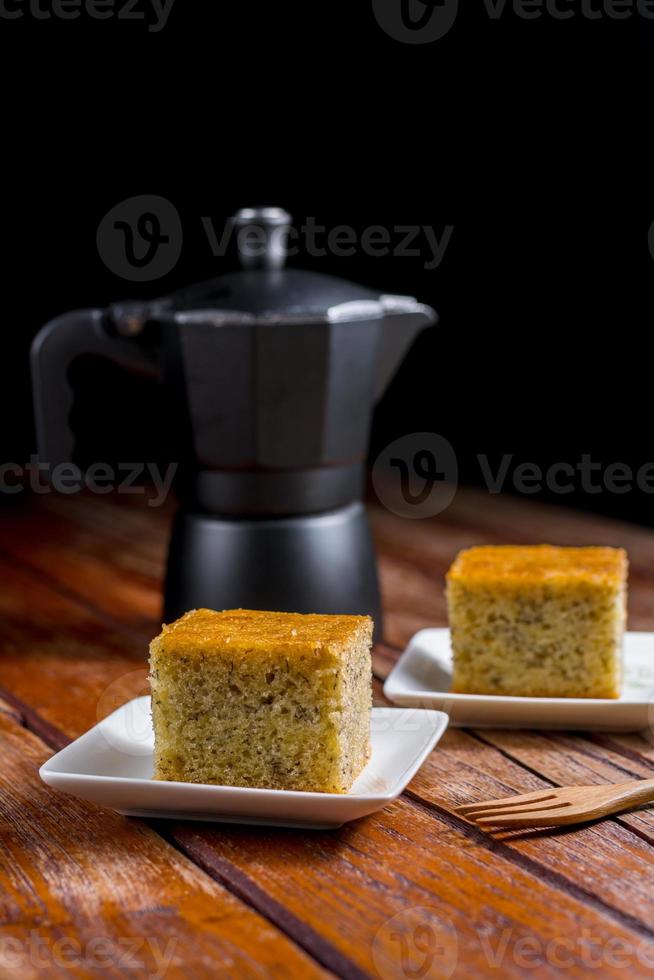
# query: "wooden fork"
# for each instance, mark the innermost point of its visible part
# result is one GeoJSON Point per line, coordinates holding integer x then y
{"type": "Point", "coordinates": [560, 805]}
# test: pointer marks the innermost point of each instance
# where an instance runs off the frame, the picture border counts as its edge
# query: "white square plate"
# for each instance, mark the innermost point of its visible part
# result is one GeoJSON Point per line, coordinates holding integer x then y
{"type": "Point", "coordinates": [112, 765]}
{"type": "Point", "coordinates": [423, 675]}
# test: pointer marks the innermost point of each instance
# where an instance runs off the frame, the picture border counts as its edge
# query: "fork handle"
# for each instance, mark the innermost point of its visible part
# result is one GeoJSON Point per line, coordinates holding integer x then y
{"type": "Point", "coordinates": [629, 794]}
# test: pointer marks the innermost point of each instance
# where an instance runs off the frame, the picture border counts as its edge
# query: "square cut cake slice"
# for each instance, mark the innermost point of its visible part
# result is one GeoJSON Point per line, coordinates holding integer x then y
{"type": "Point", "coordinates": [538, 621]}
{"type": "Point", "coordinates": [262, 699]}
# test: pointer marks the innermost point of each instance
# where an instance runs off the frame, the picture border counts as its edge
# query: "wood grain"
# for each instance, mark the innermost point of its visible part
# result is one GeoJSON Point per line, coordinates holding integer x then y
{"type": "Point", "coordinates": [88, 892]}
{"type": "Point", "coordinates": [92, 568]}
{"type": "Point", "coordinates": [348, 884]}
{"type": "Point", "coordinates": [111, 557]}
{"type": "Point", "coordinates": [76, 705]}
{"type": "Point", "coordinates": [610, 864]}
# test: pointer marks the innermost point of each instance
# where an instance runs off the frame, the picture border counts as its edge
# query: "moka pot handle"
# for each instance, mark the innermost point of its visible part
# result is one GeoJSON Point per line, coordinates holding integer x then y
{"type": "Point", "coordinates": [54, 349]}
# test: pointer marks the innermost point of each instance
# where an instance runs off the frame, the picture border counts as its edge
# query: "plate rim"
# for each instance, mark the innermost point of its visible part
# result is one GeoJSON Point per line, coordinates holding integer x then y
{"type": "Point", "coordinates": [392, 692]}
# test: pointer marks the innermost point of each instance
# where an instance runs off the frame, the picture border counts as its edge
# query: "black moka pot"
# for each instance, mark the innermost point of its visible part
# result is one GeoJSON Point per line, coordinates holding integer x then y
{"type": "Point", "coordinates": [272, 374]}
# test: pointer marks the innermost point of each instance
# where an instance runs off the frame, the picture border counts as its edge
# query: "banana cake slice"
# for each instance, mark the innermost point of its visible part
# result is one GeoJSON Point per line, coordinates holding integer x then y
{"type": "Point", "coordinates": [262, 699]}
{"type": "Point", "coordinates": [538, 621]}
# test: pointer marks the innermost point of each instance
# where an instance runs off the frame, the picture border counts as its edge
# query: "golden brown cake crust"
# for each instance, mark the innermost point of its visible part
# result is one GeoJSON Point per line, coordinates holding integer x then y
{"type": "Point", "coordinates": [539, 564]}
{"type": "Point", "coordinates": [249, 631]}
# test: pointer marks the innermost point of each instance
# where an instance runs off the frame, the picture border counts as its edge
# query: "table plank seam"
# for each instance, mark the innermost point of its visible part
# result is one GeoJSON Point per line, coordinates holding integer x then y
{"type": "Point", "coordinates": [616, 818]}
{"type": "Point", "coordinates": [641, 832]}
{"type": "Point", "coordinates": [628, 754]}
{"type": "Point", "coordinates": [43, 726]}
{"type": "Point", "coordinates": [528, 864]}
{"type": "Point", "coordinates": [55, 585]}
{"type": "Point", "coordinates": [604, 740]}
{"type": "Point", "coordinates": [12, 712]}
{"type": "Point", "coordinates": [51, 859]}
{"type": "Point", "coordinates": [584, 749]}
{"type": "Point", "coordinates": [551, 737]}
{"type": "Point", "coordinates": [625, 825]}
{"type": "Point", "coordinates": [303, 936]}
{"type": "Point", "coordinates": [31, 720]}
{"type": "Point", "coordinates": [247, 890]}
{"type": "Point", "coordinates": [219, 869]}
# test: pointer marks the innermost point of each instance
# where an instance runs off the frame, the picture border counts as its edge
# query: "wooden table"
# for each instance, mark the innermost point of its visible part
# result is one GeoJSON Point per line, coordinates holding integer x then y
{"type": "Point", "coordinates": [411, 892]}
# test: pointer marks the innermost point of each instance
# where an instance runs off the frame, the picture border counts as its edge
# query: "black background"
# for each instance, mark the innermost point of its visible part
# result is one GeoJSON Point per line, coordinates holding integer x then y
{"type": "Point", "coordinates": [532, 138]}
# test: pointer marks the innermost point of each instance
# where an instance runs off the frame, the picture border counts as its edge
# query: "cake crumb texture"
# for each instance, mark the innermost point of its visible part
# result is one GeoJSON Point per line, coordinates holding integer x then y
{"type": "Point", "coordinates": [262, 699]}
{"type": "Point", "coordinates": [538, 621]}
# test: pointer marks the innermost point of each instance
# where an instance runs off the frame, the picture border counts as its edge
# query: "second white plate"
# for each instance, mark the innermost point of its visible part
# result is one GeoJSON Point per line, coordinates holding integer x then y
{"type": "Point", "coordinates": [423, 675]}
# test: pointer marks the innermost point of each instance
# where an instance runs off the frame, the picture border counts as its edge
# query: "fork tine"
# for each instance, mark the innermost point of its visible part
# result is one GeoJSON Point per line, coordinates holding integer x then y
{"type": "Point", "coordinates": [556, 817]}
{"type": "Point", "coordinates": [512, 811]}
{"type": "Point", "coordinates": [537, 797]}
